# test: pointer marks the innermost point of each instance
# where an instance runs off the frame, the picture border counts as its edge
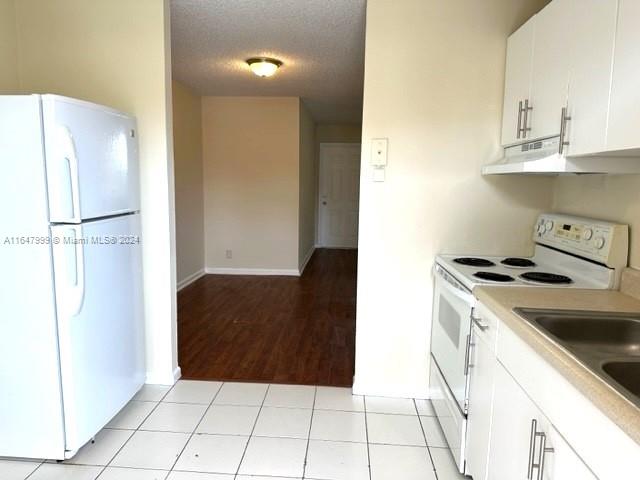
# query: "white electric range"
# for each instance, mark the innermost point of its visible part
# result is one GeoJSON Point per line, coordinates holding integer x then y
{"type": "Point", "coordinates": [570, 252]}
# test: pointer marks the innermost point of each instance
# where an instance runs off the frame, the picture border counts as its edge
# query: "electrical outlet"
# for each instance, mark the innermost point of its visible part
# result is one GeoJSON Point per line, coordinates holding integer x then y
{"type": "Point", "coordinates": [229, 253]}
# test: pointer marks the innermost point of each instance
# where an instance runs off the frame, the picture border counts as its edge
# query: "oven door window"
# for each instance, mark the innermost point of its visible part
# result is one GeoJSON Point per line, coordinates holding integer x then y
{"type": "Point", "coordinates": [451, 328]}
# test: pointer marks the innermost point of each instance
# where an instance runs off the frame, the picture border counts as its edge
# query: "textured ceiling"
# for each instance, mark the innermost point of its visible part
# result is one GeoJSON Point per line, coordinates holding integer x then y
{"type": "Point", "coordinates": [320, 42]}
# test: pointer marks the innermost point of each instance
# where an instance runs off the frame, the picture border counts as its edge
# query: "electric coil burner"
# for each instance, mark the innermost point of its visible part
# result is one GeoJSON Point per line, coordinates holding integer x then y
{"type": "Point", "coordinates": [474, 262]}
{"type": "Point", "coordinates": [545, 277]}
{"type": "Point", "coordinates": [493, 277]}
{"type": "Point", "coordinates": [518, 262]}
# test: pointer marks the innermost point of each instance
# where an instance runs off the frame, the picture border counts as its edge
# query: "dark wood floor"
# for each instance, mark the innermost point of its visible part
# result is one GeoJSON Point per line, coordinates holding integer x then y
{"type": "Point", "coordinates": [272, 329]}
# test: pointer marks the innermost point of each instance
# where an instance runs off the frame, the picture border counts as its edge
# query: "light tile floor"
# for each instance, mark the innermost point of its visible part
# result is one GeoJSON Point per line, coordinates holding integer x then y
{"type": "Point", "coordinates": [240, 431]}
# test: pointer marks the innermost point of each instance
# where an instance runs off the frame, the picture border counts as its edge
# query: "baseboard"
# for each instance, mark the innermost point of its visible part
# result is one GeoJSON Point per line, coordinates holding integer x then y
{"type": "Point", "coordinates": [290, 272]}
{"type": "Point", "coordinates": [155, 378]}
{"type": "Point", "coordinates": [383, 391]}
{"type": "Point", "coordinates": [190, 279]}
{"type": "Point", "coordinates": [306, 259]}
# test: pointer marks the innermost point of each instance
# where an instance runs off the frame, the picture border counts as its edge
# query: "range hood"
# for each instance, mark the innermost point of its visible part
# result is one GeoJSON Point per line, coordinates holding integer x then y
{"type": "Point", "coordinates": [542, 158]}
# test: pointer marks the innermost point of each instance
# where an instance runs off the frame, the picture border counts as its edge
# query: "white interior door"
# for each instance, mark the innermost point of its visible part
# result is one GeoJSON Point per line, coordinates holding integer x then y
{"type": "Point", "coordinates": [339, 195]}
{"type": "Point", "coordinates": [100, 325]}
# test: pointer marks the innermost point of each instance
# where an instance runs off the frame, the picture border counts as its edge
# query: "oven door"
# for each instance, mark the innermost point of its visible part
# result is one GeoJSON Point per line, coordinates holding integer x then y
{"type": "Point", "coordinates": [451, 333]}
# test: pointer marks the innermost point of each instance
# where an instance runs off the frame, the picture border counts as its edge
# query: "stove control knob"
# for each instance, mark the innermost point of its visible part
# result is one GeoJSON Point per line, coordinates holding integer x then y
{"type": "Point", "coordinates": [587, 234]}
{"type": "Point", "coordinates": [541, 229]}
{"type": "Point", "coordinates": [599, 243]}
{"type": "Point", "coordinates": [548, 226]}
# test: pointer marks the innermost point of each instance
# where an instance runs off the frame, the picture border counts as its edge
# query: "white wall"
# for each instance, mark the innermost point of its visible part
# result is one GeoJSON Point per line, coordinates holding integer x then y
{"type": "Point", "coordinates": [251, 180]}
{"type": "Point", "coordinates": [308, 187]}
{"type": "Point", "coordinates": [187, 140]}
{"type": "Point", "coordinates": [338, 133]}
{"type": "Point", "coordinates": [117, 52]}
{"type": "Point", "coordinates": [434, 74]}
{"type": "Point", "coordinates": [607, 197]}
{"type": "Point", "coordinates": [8, 48]}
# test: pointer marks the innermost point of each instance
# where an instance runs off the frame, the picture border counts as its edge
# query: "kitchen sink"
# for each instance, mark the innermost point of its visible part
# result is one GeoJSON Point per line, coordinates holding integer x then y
{"type": "Point", "coordinates": [607, 343]}
{"type": "Point", "coordinates": [626, 374]}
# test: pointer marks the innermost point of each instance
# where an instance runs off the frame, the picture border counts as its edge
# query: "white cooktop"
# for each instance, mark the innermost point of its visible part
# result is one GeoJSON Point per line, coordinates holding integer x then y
{"type": "Point", "coordinates": [583, 273]}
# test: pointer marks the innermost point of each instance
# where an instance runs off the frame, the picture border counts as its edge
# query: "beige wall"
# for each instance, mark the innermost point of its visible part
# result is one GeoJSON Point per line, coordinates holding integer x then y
{"type": "Point", "coordinates": [607, 197]}
{"type": "Point", "coordinates": [8, 48]}
{"type": "Point", "coordinates": [117, 52]}
{"type": "Point", "coordinates": [338, 133]}
{"type": "Point", "coordinates": [250, 153]}
{"type": "Point", "coordinates": [187, 145]}
{"type": "Point", "coordinates": [308, 186]}
{"type": "Point", "coordinates": [434, 87]}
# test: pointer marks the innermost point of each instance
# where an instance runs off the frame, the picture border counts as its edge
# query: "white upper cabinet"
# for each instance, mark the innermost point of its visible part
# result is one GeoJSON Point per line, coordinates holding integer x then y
{"type": "Point", "coordinates": [550, 73]}
{"type": "Point", "coordinates": [624, 113]}
{"type": "Point", "coordinates": [517, 87]}
{"type": "Point", "coordinates": [573, 71]}
{"type": "Point", "coordinates": [592, 46]}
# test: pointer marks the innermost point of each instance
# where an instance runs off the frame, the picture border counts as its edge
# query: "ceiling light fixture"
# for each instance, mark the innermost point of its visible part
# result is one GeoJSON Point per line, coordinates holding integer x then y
{"type": "Point", "coordinates": [263, 66]}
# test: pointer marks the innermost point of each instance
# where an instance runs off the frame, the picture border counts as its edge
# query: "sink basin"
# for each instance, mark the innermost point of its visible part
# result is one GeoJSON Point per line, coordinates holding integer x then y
{"type": "Point", "coordinates": [607, 343]}
{"type": "Point", "coordinates": [626, 374]}
{"type": "Point", "coordinates": [621, 333]}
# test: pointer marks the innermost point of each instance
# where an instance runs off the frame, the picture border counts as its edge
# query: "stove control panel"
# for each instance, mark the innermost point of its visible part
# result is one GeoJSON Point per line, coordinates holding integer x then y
{"type": "Point", "coordinates": [600, 241]}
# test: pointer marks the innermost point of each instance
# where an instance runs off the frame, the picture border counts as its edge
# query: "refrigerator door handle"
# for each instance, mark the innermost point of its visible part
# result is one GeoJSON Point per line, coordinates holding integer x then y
{"type": "Point", "coordinates": [69, 152]}
{"type": "Point", "coordinates": [63, 177]}
{"type": "Point", "coordinates": [68, 260]}
{"type": "Point", "coordinates": [80, 283]}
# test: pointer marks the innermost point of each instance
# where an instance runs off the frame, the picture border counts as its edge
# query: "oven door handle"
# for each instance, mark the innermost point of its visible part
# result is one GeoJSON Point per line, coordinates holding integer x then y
{"type": "Point", "coordinates": [453, 286]}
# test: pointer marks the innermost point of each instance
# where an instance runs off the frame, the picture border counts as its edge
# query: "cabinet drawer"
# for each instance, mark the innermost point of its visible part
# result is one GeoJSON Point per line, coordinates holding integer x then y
{"type": "Point", "coordinates": [486, 324]}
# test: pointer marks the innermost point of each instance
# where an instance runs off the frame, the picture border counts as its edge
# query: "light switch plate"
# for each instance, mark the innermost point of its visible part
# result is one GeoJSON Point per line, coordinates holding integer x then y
{"type": "Point", "coordinates": [379, 147]}
{"type": "Point", "coordinates": [378, 174]}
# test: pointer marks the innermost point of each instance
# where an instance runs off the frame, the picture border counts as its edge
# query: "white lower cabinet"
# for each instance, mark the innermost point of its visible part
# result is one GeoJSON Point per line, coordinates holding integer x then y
{"type": "Point", "coordinates": [563, 462]}
{"type": "Point", "coordinates": [523, 444]}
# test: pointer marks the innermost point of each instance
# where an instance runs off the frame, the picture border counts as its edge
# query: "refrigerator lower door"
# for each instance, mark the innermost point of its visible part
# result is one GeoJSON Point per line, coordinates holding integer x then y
{"type": "Point", "coordinates": [92, 160]}
{"type": "Point", "coordinates": [97, 269]}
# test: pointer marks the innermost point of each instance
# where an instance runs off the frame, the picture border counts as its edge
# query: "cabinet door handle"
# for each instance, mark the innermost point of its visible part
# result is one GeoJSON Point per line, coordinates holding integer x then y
{"type": "Point", "coordinates": [564, 118]}
{"type": "Point", "coordinates": [541, 454]}
{"type": "Point", "coordinates": [519, 119]}
{"type": "Point", "coordinates": [525, 127]}
{"type": "Point", "coordinates": [532, 447]}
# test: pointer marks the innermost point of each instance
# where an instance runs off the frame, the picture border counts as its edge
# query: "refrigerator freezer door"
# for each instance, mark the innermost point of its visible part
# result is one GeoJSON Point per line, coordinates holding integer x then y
{"type": "Point", "coordinates": [100, 321]}
{"type": "Point", "coordinates": [92, 160]}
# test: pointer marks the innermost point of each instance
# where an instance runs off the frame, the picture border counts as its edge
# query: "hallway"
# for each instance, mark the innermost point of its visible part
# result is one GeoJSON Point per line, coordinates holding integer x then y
{"type": "Point", "coordinates": [272, 329]}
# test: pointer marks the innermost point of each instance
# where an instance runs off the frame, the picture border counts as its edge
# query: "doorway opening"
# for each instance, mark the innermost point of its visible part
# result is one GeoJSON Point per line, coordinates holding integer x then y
{"type": "Point", "coordinates": [267, 185]}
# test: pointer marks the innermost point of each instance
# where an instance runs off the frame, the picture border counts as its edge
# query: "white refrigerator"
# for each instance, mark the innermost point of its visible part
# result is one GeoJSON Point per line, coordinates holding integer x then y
{"type": "Point", "coordinates": [71, 311]}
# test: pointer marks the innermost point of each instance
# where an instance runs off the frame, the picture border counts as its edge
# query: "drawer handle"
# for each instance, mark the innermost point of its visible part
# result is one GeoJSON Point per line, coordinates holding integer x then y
{"type": "Point", "coordinates": [478, 323]}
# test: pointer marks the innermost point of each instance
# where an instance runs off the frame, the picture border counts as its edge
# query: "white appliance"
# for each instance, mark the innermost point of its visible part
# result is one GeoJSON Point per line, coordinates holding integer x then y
{"type": "Point", "coordinates": [71, 343]}
{"type": "Point", "coordinates": [570, 252]}
{"type": "Point", "coordinates": [546, 157]}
